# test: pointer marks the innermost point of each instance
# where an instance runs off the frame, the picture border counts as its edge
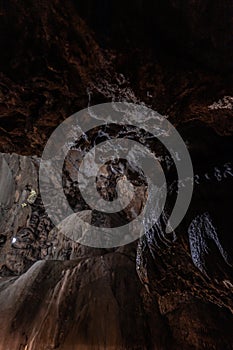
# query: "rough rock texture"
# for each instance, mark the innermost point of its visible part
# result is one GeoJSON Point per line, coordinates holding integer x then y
{"type": "Point", "coordinates": [87, 299]}
{"type": "Point", "coordinates": [22, 178]}
{"type": "Point", "coordinates": [93, 298]}
{"type": "Point", "coordinates": [174, 57]}
{"type": "Point", "coordinates": [50, 65]}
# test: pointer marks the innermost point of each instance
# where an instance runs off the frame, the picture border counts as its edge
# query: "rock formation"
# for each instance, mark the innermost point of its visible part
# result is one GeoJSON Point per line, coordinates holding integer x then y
{"type": "Point", "coordinates": [164, 291]}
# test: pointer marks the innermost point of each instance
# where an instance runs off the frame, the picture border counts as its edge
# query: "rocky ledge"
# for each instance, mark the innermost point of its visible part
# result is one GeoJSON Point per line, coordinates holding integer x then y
{"type": "Point", "coordinates": [58, 294]}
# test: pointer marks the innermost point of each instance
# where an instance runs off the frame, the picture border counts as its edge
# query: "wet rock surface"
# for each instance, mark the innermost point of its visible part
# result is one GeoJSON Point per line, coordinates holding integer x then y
{"type": "Point", "coordinates": [165, 291]}
{"type": "Point", "coordinates": [167, 288]}
{"type": "Point", "coordinates": [82, 304]}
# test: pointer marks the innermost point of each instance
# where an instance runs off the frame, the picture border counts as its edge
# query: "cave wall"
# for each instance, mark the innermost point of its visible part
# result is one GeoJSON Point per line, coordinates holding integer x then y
{"type": "Point", "coordinates": [59, 58]}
